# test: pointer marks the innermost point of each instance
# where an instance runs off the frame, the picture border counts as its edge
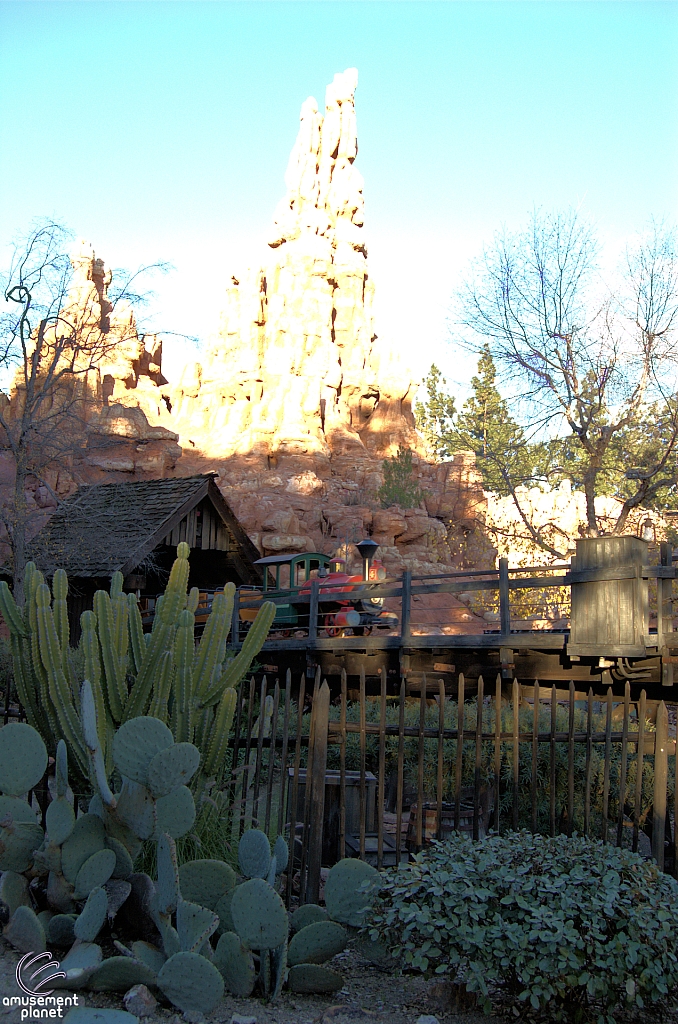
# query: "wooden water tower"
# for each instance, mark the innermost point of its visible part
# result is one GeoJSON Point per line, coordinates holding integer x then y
{"type": "Point", "coordinates": [610, 611]}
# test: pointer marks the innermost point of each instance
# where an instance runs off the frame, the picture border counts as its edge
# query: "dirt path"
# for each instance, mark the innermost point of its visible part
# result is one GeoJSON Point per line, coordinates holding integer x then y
{"type": "Point", "coordinates": [370, 996]}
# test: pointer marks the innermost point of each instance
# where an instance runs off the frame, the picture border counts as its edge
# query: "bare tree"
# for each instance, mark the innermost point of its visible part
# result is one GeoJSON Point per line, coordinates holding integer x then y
{"type": "Point", "coordinates": [60, 326]}
{"type": "Point", "coordinates": [593, 364]}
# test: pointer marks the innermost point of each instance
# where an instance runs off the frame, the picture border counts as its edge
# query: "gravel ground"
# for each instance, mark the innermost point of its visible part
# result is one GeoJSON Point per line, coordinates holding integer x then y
{"type": "Point", "coordinates": [371, 996]}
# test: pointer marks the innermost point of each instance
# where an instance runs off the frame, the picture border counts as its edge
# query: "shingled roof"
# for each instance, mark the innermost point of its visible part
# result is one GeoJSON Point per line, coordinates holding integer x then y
{"type": "Point", "coordinates": [107, 527]}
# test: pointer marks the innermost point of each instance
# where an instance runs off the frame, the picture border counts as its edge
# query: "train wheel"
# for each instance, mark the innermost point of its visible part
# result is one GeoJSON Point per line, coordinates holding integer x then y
{"type": "Point", "coordinates": [330, 627]}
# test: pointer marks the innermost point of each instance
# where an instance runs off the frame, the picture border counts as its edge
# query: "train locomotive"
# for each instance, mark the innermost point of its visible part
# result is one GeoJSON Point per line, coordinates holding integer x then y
{"type": "Point", "coordinates": [345, 606]}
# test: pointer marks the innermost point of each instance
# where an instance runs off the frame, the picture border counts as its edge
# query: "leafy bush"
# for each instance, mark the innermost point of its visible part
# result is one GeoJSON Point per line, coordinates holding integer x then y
{"type": "Point", "coordinates": [573, 928]}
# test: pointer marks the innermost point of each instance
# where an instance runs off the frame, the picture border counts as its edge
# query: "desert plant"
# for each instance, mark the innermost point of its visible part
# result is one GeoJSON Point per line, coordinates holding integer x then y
{"type": "Point", "coordinates": [163, 674]}
{"type": "Point", "coordinates": [573, 929]}
{"type": "Point", "coordinates": [400, 486]}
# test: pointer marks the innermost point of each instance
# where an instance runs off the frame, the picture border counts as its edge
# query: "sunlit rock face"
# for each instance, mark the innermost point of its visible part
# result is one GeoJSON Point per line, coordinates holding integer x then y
{"type": "Point", "coordinates": [296, 368]}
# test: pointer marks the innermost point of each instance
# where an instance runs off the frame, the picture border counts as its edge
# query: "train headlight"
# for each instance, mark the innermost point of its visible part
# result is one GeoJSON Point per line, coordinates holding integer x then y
{"type": "Point", "coordinates": [377, 601]}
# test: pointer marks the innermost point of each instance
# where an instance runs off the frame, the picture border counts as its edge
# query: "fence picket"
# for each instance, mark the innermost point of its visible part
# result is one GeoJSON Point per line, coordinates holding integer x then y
{"type": "Point", "coordinates": [639, 770]}
{"type": "Point", "coordinates": [516, 751]}
{"type": "Point", "coordinates": [401, 770]}
{"type": "Point", "coordinates": [363, 742]}
{"type": "Point", "coordinates": [570, 762]}
{"type": "Point", "coordinates": [497, 751]}
{"type": "Point", "coordinates": [552, 762]}
{"type": "Point", "coordinates": [441, 740]}
{"type": "Point", "coordinates": [478, 758]}
{"type": "Point", "coordinates": [420, 763]}
{"type": "Point", "coordinates": [271, 755]}
{"type": "Point", "coordinates": [459, 766]}
{"type": "Point", "coordinates": [535, 753]}
{"type": "Point", "coordinates": [589, 753]}
{"type": "Point", "coordinates": [606, 764]}
{"type": "Point", "coordinates": [295, 787]}
{"type": "Point", "coordinates": [283, 752]}
{"type": "Point", "coordinates": [382, 770]}
{"type": "Point", "coordinates": [622, 770]}
{"type": "Point", "coordinates": [342, 768]}
{"type": "Point", "coordinates": [661, 773]}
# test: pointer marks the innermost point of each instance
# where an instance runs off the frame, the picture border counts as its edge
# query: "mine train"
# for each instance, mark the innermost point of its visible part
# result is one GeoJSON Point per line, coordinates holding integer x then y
{"type": "Point", "coordinates": [343, 610]}
{"type": "Point", "coordinates": [621, 629]}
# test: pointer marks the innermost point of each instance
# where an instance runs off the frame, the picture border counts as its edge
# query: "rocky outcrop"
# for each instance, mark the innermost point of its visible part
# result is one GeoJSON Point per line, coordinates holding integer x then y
{"type": "Point", "coordinates": [297, 401]}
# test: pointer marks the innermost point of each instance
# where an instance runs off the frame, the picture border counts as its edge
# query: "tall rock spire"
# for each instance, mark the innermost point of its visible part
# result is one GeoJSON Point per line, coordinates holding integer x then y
{"type": "Point", "coordinates": [296, 367]}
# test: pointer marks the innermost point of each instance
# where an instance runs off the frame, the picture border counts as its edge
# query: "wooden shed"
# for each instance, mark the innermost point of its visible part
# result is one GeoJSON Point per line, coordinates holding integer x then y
{"type": "Point", "coordinates": [134, 528]}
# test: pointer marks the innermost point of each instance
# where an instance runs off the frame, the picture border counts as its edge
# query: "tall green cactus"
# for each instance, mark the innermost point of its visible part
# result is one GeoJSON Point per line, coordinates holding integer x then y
{"type": "Point", "coordinates": [163, 674]}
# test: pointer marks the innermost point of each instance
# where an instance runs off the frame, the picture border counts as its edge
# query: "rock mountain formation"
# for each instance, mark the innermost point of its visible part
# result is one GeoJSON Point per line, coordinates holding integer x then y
{"type": "Point", "coordinates": [297, 401]}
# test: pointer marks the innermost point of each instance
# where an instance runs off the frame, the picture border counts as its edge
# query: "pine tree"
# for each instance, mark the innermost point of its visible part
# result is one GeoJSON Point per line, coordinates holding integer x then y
{"type": "Point", "coordinates": [435, 416]}
{"type": "Point", "coordinates": [400, 486]}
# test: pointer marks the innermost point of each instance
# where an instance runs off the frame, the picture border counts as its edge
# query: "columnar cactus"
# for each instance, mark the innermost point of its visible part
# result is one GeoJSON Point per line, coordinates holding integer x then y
{"type": "Point", "coordinates": [130, 675]}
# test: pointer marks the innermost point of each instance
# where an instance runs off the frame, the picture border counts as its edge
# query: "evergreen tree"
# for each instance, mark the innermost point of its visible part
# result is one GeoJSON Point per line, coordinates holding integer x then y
{"type": "Point", "coordinates": [484, 426]}
{"type": "Point", "coordinates": [435, 416]}
{"type": "Point", "coordinates": [400, 487]}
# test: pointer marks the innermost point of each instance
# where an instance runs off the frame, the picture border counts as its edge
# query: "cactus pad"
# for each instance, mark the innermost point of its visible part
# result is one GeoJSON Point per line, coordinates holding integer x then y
{"type": "Point", "coordinates": [175, 813]}
{"type": "Point", "coordinates": [136, 808]}
{"type": "Point", "coordinates": [14, 890]}
{"type": "Point", "coordinates": [61, 930]}
{"type": "Point", "coordinates": [119, 973]}
{"type": "Point", "coordinates": [194, 925]}
{"type": "Point", "coordinates": [206, 881]}
{"type": "Point", "coordinates": [317, 943]}
{"type": "Point", "coordinates": [309, 913]}
{"type": "Point", "coordinates": [59, 893]}
{"type": "Point", "coordinates": [148, 954]}
{"type": "Point", "coordinates": [61, 768]}
{"type": "Point", "coordinates": [259, 915]}
{"type": "Point", "coordinates": [123, 862]}
{"type": "Point", "coordinates": [167, 893]}
{"type": "Point", "coordinates": [91, 920]}
{"type": "Point", "coordinates": [174, 766]}
{"type": "Point", "coordinates": [59, 820]}
{"type": "Point", "coordinates": [16, 810]}
{"type": "Point", "coordinates": [86, 839]}
{"type": "Point", "coordinates": [18, 844]}
{"type": "Point", "coordinates": [349, 890]}
{"type": "Point", "coordinates": [25, 932]}
{"type": "Point", "coordinates": [281, 854]}
{"type": "Point", "coordinates": [96, 870]}
{"type": "Point", "coordinates": [136, 743]}
{"type": "Point", "coordinates": [23, 758]}
{"type": "Point", "coordinates": [254, 853]}
{"type": "Point", "coordinates": [191, 982]}
{"type": "Point", "coordinates": [310, 978]}
{"type": "Point", "coordinates": [236, 964]}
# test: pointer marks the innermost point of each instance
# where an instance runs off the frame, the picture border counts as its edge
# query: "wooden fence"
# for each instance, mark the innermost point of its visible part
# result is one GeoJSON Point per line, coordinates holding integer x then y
{"type": "Point", "coordinates": [546, 759]}
{"type": "Point", "coordinates": [550, 760]}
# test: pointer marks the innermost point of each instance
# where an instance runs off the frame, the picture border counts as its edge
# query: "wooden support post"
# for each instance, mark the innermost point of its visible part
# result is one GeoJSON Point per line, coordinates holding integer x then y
{"type": "Point", "coordinates": [405, 610]}
{"type": "Point", "coordinates": [317, 794]}
{"type": "Point", "coordinates": [504, 608]}
{"type": "Point", "coordinates": [661, 777]}
{"type": "Point", "coordinates": [235, 620]}
{"type": "Point", "coordinates": [313, 610]}
{"type": "Point", "coordinates": [665, 613]}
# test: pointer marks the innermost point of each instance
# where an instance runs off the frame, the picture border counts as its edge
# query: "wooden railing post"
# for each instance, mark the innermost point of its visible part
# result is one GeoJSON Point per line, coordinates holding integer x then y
{"type": "Point", "coordinates": [504, 609]}
{"type": "Point", "coordinates": [406, 605]}
{"type": "Point", "coordinates": [315, 790]}
{"type": "Point", "coordinates": [661, 775]}
{"type": "Point", "coordinates": [313, 610]}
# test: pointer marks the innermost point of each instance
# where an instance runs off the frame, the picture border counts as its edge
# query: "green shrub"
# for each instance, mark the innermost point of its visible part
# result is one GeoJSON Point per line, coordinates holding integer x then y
{"type": "Point", "coordinates": [573, 929]}
{"type": "Point", "coordinates": [400, 486]}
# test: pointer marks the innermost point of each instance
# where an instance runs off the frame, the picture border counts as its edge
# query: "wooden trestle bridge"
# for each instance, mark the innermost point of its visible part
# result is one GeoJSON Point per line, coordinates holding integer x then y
{"type": "Point", "coordinates": [610, 640]}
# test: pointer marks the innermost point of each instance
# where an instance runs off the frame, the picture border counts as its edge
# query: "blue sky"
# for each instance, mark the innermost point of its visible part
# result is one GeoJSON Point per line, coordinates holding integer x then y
{"type": "Point", "coordinates": [161, 131]}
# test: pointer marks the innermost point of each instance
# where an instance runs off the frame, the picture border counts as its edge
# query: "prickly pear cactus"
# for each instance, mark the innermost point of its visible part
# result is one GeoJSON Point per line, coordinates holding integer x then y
{"type": "Point", "coordinates": [317, 943]}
